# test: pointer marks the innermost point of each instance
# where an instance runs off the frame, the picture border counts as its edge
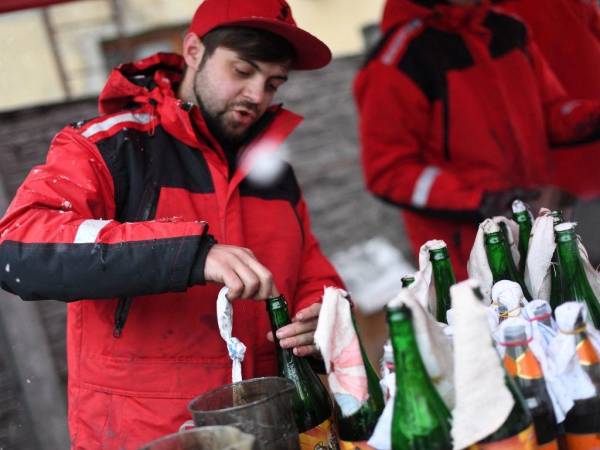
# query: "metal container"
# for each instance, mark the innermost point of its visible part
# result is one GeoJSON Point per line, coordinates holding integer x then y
{"type": "Point", "coordinates": [204, 438]}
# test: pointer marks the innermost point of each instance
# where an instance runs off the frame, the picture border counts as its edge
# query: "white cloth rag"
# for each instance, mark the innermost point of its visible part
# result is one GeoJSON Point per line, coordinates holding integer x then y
{"type": "Point", "coordinates": [483, 402]}
{"type": "Point", "coordinates": [235, 347]}
{"type": "Point", "coordinates": [561, 400]}
{"type": "Point", "coordinates": [539, 256]}
{"type": "Point", "coordinates": [338, 342]}
{"type": "Point", "coordinates": [509, 294]}
{"type": "Point", "coordinates": [542, 333]}
{"type": "Point", "coordinates": [436, 353]}
{"type": "Point", "coordinates": [478, 266]}
{"type": "Point", "coordinates": [435, 350]}
{"type": "Point", "coordinates": [562, 351]}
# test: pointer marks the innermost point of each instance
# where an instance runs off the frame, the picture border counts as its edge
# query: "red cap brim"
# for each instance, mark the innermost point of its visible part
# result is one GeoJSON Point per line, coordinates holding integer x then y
{"type": "Point", "coordinates": [311, 52]}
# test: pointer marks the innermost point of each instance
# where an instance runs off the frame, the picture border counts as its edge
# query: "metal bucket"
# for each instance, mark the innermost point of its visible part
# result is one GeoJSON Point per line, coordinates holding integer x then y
{"type": "Point", "coordinates": [261, 407]}
{"type": "Point", "coordinates": [205, 438]}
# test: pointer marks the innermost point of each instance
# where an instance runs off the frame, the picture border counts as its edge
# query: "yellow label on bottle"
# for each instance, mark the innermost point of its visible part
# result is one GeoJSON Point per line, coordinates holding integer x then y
{"type": "Point", "coordinates": [354, 445]}
{"type": "Point", "coordinates": [525, 366]}
{"type": "Point", "coordinates": [552, 445]}
{"type": "Point", "coordinates": [590, 441]}
{"type": "Point", "coordinates": [528, 366]}
{"type": "Point", "coordinates": [586, 353]}
{"type": "Point", "coordinates": [321, 437]}
{"type": "Point", "coordinates": [525, 440]}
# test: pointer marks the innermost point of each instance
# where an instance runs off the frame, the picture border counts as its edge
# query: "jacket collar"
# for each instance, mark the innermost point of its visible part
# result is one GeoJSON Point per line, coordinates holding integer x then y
{"type": "Point", "coordinates": [150, 85]}
{"type": "Point", "coordinates": [436, 13]}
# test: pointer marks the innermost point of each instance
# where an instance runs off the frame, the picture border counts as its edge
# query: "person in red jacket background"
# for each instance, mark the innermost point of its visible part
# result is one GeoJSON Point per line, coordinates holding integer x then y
{"type": "Point", "coordinates": [140, 216]}
{"type": "Point", "coordinates": [457, 110]}
{"type": "Point", "coordinates": [567, 33]}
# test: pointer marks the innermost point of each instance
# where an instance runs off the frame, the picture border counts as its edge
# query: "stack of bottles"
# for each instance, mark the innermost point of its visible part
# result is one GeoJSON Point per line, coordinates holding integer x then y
{"type": "Point", "coordinates": [522, 355]}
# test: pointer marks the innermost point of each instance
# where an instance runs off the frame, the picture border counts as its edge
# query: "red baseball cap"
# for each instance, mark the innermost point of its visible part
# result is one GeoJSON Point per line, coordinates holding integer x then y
{"type": "Point", "coordinates": [270, 15]}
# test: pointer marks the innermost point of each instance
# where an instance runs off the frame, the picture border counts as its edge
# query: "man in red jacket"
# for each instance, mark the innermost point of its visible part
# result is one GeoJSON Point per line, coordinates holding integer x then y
{"type": "Point", "coordinates": [568, 35]}
{"type": "Point", "coordinates": [127, 211]}
{"type": "Point", "coordinates": [457, 110]}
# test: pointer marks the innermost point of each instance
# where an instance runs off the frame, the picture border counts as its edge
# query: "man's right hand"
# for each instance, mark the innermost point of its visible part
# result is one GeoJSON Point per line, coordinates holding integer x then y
{"type": "Point", "coordinates": [239, 270]}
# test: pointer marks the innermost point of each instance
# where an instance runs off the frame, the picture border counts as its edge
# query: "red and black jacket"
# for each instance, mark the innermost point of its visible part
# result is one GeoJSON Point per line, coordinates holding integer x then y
{"type": "Point", "coordinates": [456, 101]}
{"type": "Point", "coordinates": [568, 35]}
{"type": "Point", "coordinates": [121, 209]}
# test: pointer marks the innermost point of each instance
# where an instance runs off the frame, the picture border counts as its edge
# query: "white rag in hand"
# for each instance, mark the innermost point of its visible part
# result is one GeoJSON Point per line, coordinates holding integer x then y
{"type": "Point", "coordinates": [339, 345]}
{"type": "Point", "coordinates": [478, 266]}
{"type": "Point", "coordinates": [483, 402]}
{"type": "Point", "coordinates": [235, 347]}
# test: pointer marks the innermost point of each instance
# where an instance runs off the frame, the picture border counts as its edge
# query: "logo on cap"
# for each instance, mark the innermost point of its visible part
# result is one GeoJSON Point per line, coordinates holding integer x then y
{"type": "Point", "coordinates": [284, 12]}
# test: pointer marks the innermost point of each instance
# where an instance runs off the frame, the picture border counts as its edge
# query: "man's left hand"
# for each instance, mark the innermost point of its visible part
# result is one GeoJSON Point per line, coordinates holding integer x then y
{"type": "Point", "coordinates": [300, 334]}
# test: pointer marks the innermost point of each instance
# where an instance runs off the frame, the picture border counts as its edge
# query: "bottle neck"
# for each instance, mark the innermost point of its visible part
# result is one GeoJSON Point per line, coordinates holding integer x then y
{"type": "Point", "coordinates": [278, 311]}
{"type": "Point", "coordinates": [570, 260]}
{"type": "Point", "coordinates": [574, 279]}
{"type": "Point", "coordinates": [523, 219]}
{"type": "Point", "coordinates": [501, 267]}
{"type": "Point", "coordinates": [443, 277]}
{"type": "Point", "coordinates": [409, 367]}
{"type": "Point", "coordinates": [279, 317]}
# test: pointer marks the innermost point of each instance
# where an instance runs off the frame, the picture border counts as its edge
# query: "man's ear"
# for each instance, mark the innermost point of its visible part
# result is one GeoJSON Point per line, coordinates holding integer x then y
{"type": "Point", "coordinates": [193, 50]}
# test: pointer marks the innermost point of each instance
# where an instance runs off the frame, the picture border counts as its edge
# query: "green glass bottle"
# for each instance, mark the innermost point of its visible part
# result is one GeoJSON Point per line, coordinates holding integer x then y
{"type": "Point", "coordinates": [407, 280]}
{"type": "Point", "coordinates": [576, 286]}
{"type": "Point", "coordinates": [312, 404]}
{"type": "Point", "coordinates": [517, 431]}
{"type": "Point", "coordinates": [523, 366]}
{"type": "Point", "coordinates": [556, 288]}
{"type": "Point", "coordinates": [421, 420]}
{"type": "Point", "coordinates": [500, 260]}
{"type": "Point", "coordinates": [522, 216]}
{"type": "Point", "coordinates": [443, 278]}
{"type": "Point", "coordinates": [357, 428]}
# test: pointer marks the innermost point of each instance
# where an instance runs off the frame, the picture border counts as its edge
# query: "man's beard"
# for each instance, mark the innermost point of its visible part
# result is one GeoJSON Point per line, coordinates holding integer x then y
{"type": "Point", "coordinates": [216, 125]}
{"type": "Point", "coordinates": [216, 121]}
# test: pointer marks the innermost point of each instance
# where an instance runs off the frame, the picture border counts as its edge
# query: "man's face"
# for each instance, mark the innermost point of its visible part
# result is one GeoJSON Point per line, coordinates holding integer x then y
{"type": "Point", "coordinates": [233, 92]}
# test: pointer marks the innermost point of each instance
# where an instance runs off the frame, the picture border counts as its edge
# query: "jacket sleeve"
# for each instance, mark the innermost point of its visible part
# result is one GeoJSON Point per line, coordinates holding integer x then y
{"type": "Point", "coordinates": [394, 121]}
{"type": "Point", "coordinates": [316, 272]}
{"type": "Point", "coordinates": [568, 120]}
{"type": "Point", "coordinates": [59, 239]}
{"type": "Point", "coordinates": [589, 12]}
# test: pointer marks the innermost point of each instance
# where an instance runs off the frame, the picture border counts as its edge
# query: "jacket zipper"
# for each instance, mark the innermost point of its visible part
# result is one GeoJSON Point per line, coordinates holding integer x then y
{"type": "Point", "coordinates": [147, 205]}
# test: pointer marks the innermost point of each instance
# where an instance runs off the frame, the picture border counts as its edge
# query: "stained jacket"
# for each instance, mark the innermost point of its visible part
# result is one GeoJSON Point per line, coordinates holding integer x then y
{"type": "Point", "coordinates": [453, 102]}
{"type": "Point", "coordinates": [121, 215]}
{"type": "Point", "coordinates": [568, 35]}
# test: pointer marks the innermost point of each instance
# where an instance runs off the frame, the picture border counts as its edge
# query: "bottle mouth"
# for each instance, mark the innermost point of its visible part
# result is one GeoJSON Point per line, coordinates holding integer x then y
{"type": "Point", "coordinates": [436, 245]}
{"type": "Point", "coordinates": [565, 226]}
{"type": "Point", "coordinates": [489, 227]}
{"type": "Point", "coordinates": [515, 333]}
{"type": "Point", "coordinates": [518, 206]}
